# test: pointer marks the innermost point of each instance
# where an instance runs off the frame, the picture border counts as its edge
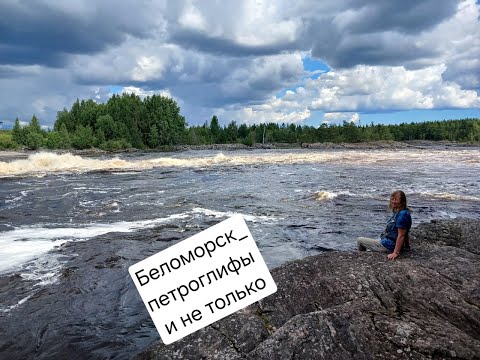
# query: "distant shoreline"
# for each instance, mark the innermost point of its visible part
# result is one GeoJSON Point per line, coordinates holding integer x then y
{"type": "Point", "coordinates": [370, 145]}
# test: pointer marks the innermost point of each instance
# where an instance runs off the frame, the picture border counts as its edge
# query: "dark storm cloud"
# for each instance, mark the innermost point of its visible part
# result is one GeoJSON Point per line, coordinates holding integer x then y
{"type": "Point", "coordinates": [221, 46]}
{"type": "Point", "coordinates": [372, 49]}
{"type": "Point", "coordinates": [232, 18]}
{"type": "Point", "coordinates": [11, 72]}
{"type": "Point", "coordinates": [28, 55]}
{"type": "Point", "coordinates": [378, 33]}
{"type": "Point", "coordinates": [332, 34]}
{"type": "Point", "coordinates": [405, 16]}
{"type": "Point", "coordinates": [37, 33]}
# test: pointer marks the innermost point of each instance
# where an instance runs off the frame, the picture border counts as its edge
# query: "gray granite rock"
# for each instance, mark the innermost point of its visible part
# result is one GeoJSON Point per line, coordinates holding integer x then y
{"type": "Point", "coordinates": [340, 305]}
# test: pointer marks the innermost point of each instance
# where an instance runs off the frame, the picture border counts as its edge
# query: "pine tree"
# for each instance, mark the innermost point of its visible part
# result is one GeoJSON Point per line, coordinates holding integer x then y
{"type": "Point", "coordinates": [17, 133]}
{"type": "Point", "coordinates": [35, 125]}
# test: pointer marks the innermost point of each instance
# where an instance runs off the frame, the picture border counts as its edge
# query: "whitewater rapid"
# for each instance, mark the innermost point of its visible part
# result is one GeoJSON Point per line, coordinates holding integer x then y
{"type": "Point", "coordinates": [295, 200]}
{"type": "Point", "coordinates": [44, 163]}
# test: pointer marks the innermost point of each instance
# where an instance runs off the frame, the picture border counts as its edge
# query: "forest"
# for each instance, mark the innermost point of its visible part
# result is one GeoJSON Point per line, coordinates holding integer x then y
{"type": "Point", "coordinates": [154, 122]}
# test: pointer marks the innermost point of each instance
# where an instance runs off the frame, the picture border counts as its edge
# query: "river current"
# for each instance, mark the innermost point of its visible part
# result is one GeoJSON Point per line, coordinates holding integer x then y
{"type": "Point", "coordinates": [296, 203]}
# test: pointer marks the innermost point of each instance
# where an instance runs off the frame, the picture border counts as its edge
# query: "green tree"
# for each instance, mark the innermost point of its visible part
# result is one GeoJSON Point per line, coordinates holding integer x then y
{"type": "Point", "coordinates": [215, 129]}
{"type": "Point", "coordinates": [113, 145]}
{"type": "Point", "coordinates": [106, 126]}
{"type": "Point", "coordinates": [83, 137]}
{"type": "Point", "coordinates": [33, 140]}
{"type": "Point", "coordinates": [53, 140]}
{"type": "Point", "coordinates": [231, 132]}
{"type": "Point", "coordinates": [66, 141]}
{"type": "Point", "coordinates": [474, 134]}
{"type": "Point", "coordinates": [31, 136]}
{"type": "Point", "coordinates": [66, 118]}
{"type": "Point", "coordinates": [18, 134]}
{"type": "Point", "coordinates": [125, 118]}
{"type": "Point", "coordinates": [243, 131]}
{"type": "Point", "coordinates": [35, 125]}
{"type": "Point", "coordinates": [351, 133]}
{"type": "Point", "coordinates": [153, 139]}
{"type": "Point", "coordinates": [6, 140]}
{"type": "Point", "coordinates": [250, 138]}
{"type": "Point", "coordinates": [58, 139]}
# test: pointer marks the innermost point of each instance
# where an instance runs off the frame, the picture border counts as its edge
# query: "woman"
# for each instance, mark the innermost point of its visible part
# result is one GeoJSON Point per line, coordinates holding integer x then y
{"type": "Point", "coordinates": [395, 237]}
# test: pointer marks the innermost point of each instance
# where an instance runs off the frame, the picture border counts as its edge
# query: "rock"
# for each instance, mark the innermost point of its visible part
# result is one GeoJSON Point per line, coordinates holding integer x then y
{"type": "Point", "coordinates": [458, 233]}
{"type": "Point", "coordinates": [92, 310]}
{"type": "Point", "coordinates": [349, 305]}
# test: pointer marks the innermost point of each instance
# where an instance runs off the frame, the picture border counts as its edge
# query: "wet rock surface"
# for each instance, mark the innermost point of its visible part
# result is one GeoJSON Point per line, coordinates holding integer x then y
{"type": "Point", "coordinates": [93, 310]}
{"type": "Point", "coordinates": [342, 305]}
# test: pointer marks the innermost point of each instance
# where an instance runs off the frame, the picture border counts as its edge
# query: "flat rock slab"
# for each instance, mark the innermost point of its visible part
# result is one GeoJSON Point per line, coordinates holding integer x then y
{"type": "Point", "coordinates": [348, 305]}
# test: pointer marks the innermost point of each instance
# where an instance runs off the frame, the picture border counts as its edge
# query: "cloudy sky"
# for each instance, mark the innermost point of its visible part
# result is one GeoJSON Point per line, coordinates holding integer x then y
{"type": "Point", "coordinates": [250, 61]}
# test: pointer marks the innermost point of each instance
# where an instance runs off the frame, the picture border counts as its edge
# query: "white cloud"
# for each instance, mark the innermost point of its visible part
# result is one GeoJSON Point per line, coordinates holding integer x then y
{"type": "Point", "coordinates": [136, 60]}
{"type": "Point", "coordinates": [263, 23]}
{"type": "Point", "coordinates": [343, 94]}
{"type": "Point", "coordinates": [339, 118]}
{"type": "Point", "coordinates": [143, 93]}
{"type": "Point", "coordinates": [148, 67]}
{"type": "Point", "coordinates": [369, 88]}
{"type": "Point", "coordinates": [191, 18]}
{"type": "Point", "coordinates": [252, 115]}
{"type": "Point", "coordinates": [458, 39]}
{"type": "Point", "coordinates": [250, 23]}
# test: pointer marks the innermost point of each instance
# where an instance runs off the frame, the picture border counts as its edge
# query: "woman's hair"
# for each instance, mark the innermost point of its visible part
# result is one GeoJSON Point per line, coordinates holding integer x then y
{"type": "Point", "coordinates": [403, 200]}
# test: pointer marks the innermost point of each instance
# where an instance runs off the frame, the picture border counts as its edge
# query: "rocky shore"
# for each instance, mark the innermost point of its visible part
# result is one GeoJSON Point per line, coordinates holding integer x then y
{"type": "Point", "coordinates": [371, 145]}
{"type": "Point", "coordinates": [336, 305]}
{"type": "Point", "coordinates": [349, 305]}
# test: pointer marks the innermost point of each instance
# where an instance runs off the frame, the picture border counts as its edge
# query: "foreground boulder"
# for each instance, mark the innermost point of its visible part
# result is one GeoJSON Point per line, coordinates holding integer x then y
{"type": "Point", "coordinates": [341, 305]}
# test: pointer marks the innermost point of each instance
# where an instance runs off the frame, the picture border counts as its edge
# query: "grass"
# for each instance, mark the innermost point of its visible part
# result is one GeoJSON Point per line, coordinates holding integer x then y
{"type": "Point", "coordinates": [6, 140]}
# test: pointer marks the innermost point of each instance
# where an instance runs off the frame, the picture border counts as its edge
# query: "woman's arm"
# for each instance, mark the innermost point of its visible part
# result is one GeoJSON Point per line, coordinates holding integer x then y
{"type": "Point", "coordinates": [398, 244]}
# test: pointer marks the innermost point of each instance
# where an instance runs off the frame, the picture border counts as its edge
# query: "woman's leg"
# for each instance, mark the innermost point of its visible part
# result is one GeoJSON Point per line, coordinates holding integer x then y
{"type": "Point", "coordinates": [371, 244]}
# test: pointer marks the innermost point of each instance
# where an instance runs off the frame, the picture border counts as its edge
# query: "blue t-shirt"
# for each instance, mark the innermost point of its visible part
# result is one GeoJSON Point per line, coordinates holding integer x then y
{"type": "Point", "coordinates": [402, 220]}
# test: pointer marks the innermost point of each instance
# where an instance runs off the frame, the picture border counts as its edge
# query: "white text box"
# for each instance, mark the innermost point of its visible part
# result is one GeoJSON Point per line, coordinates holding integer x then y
{"type": "Point", "coordinates": [202, 279]}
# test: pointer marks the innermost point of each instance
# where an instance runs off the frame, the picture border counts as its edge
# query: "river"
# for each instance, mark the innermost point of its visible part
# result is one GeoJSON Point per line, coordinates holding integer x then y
{"type": "Point", "coordinates": [71, 225]}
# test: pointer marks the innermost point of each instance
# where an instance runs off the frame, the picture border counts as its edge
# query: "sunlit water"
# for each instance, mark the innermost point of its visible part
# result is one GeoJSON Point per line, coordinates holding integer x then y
{"type": "Point", "coordinates": [296, 202]}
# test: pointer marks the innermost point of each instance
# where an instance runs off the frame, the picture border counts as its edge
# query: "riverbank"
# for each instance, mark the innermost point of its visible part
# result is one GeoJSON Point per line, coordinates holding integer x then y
{"type": "Point", "coordinates": [5, 155]}
{"type": "Point", "coordinates": [339, 304]}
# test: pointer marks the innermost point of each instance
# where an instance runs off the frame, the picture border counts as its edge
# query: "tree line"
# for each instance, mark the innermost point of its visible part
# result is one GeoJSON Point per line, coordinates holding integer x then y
{"type": "Point", "coordinates": [124, 121]}
{"type": "Point", "coordinates": [465, 130]}
{"type": "Point", "coordinates": [127, 121]}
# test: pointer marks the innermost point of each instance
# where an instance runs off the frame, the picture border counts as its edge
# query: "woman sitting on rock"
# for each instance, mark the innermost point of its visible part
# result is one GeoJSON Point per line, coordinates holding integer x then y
{"type": "Point", "coordinates": [395, 237]}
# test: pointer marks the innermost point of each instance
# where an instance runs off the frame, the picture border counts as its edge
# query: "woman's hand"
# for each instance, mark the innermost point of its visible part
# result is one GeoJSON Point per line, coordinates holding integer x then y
{"type": "Point", "coordinates": [398, 244]}
{"type": "Point", "coordinates": [393, 255]}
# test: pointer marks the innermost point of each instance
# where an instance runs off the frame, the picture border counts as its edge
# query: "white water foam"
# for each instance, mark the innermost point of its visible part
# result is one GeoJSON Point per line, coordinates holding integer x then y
{"type": "Point", "coordinates": [15, 253]}
{"type": "Point", "coordinates": [225, 214]}
{"type": "Point", "coordinates": [43, 163]}
{"type": "Point", "coordinates": [6, 309]}
{"type": "Point", "coordinates": [329, 195]}
{"type": "Point", "coordinates": [449, 196]}
{"type": "Point", "coordinates": [15, 199]}
{"type": "Point", "coordinates": [25, 246]}
{"type": "Point", "coordinates": [26, 243]}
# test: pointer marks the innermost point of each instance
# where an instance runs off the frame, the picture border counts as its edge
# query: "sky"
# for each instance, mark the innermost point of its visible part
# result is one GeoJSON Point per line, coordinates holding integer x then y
{"type": "Point", "coordinates": [303, 62]}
